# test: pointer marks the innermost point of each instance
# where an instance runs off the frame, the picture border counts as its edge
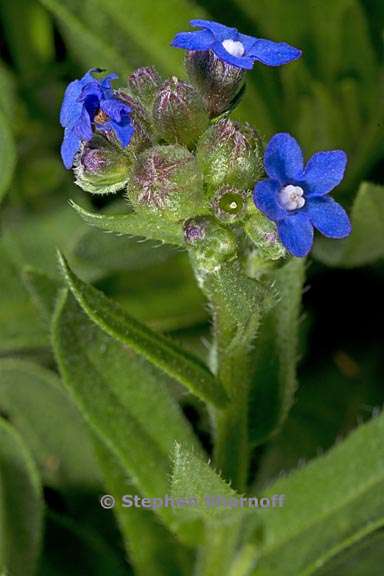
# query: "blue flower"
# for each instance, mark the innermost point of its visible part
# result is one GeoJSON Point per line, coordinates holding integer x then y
{"type": "Point", "coordinates": [90, 104]}
{"type": "Point", "coordinates": [295, 196]}
{"type": "Point", "coordinates": [234, 48]}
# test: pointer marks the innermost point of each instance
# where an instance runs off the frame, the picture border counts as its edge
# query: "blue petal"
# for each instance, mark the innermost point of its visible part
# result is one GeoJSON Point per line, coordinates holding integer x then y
{"type": "Point", "coordinates": [220, 31]}
{"type": "Point", "coordinates": [273, 53]}
{"type": "Point", "coordinates": [201, 40]}
{"type": "Point", "coordinates": [324, 171]}
{"type": "Point", "coordinates": [238, 61]}
{"type": "Point", "coordinates": [83, 127]}
{"type": "Point", "coordinates": [71, 108]}
{"type": "Point", "coordinates": [265, 197]}
{"type": "Point", "coordinates": [296, 233]}
{"type": "Point", "coordinates": [115, 108]}
{"type": "Point", "coordinates": [123, 132]}
{"type": "Point", "coordinates": [106, 81]}
{"type": "Point", "coordinates": [283, 159]}
{"type": "Point", "coordinates": [69, 147]}
{"type": "Point", "coordinates": [91, 89]}
{"type": "Point", "coordinates": [328, 217]}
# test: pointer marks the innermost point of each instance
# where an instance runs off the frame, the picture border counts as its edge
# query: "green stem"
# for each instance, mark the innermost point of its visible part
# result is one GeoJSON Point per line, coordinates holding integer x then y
{"type": "Point", "coordinates": [235, 302]}
{"type": "Point", "coordinates": [233, 370]}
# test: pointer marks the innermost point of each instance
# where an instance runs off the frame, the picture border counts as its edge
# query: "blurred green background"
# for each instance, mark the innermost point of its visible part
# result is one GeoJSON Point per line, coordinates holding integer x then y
{"type": "Point", "coordinates": [332, 98]}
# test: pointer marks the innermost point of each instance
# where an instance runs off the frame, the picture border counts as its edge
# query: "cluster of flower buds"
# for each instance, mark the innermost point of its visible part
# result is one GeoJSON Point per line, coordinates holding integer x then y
{"type": "Point", "coordinates": [173, 150]}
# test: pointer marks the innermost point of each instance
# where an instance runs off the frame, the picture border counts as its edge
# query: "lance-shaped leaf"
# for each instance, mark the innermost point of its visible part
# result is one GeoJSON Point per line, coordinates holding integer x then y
{"type": "Point", "coordinates": [330, 504]}
{"type": "Point", "coordinates": [123, 399]}
{"type": "Point", "coordinates": [134, 225]}
{"type": "Point", "coordinates": [21, 506]}
{"type": "Point", "coordinates": [159, 350]}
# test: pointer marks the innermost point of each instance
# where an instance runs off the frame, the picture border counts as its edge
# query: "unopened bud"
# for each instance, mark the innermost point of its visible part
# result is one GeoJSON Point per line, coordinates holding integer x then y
{"type": "Point", "coordinates": [166, 182]}
{"type": "Point", "coordinates": [100, 167]}
{"type": "Point", "coordinates": [264, 236]}
{"type": "Point", "coordinates": [230, 204]}
{"type": "Point", "coordinates": [143, 84]}
{"type": "Point", "coordinates": [210, 244]}
{"type": "Point", "coordinates": [230, 153]}
{"type": "Point", "coordinates": [219, 83]}
{"type": "Point", "coordinates": [178, 112]}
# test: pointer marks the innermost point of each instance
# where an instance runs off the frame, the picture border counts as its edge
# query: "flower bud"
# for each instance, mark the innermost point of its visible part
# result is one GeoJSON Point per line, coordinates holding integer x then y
{"type": "Point", "coordinates": [143, 84]}
{"type": "Point", "coordinates": [264, 236]}
{"type": "Point", "coordinates": [100, 167]}
{"type": "Point", "coordinates": [210, 243]}
{"type": "Point", "coordinates": [166, 182]}
{"type": "Point", "coordinates": [219, 83]}
{"type": "Point", "coordinates": [178, 112]}
{"type": "Point", "coordinates": [230, 153]}
{"type": "Point", "coordinates": [230, 204]}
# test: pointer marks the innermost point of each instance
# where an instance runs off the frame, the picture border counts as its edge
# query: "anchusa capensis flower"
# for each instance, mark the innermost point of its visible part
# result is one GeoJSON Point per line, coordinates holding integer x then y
{"type": "Point", "coordinates": [296, 196]}
{"type": "Point", "coordinates": [170, 146]}
{"type": "Point", "coordinates": [90, 106]}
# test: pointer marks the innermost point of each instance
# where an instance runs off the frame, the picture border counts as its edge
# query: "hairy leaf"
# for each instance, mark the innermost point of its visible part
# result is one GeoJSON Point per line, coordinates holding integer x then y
{"type": "Point", "coordinates": [159, 350]}
{"type": "Point", "coordinates": [134, 225]}
{"type": "Point", "coordinates": [121, 397]}
{"type": "Point", "coordinates": [333, 502]}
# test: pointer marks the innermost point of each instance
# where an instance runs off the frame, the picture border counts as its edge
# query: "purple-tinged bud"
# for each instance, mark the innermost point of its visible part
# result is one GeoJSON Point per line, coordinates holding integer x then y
{"type": "Point", "coordinates": [178, 113]}
{"type": "Point", "coordinates": [143, 84]}
{"type": "Point", "coordinates": [219, 83]}
{"type": "Point", "coordinates": [230, 153]}
{"type": "Point", "coordinates": [166, 182]}
{"type": "Point", "coordinates": [210, 244]}
{"type": "Point", "coordinates": [142, 137]}
{"type": "Point", "coordinates": [230, 205]}
{"type": "Point", "coordinates": [100, 167]}
{"type": "Point", "coordinates": [267, 250]}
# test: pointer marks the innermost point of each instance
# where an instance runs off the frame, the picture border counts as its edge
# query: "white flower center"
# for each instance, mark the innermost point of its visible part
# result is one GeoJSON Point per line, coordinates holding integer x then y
{"type": "Point", "coordinates": [234, 47]}
{"type": "Point", "coordinates": [292, 197]}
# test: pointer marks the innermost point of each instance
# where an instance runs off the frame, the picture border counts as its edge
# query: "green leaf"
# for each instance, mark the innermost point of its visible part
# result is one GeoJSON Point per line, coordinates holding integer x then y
{"type": "Point", "coordinates": [121, 397]}
{"type": "Point", "coordinates": [151, 548]}
{"type": "Point", "coordinates": [134, 225]}
{"type": "Point", "coordinates": [34, 401]}
{"type": "Point", "coordinates": [366, 243]}
{"type": "Point", "coordinates": [343, 492]}
{"type": "Point", "coordinates": [276, 355]}
{"type": "Point", "coordinates": [21, 506]}
{"type": "Point", "coordinates": [161, 351]}
{"type": "Point", "coordinates": [192, 477]}
{"type": "Point", "coordinates": [7, 154]}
